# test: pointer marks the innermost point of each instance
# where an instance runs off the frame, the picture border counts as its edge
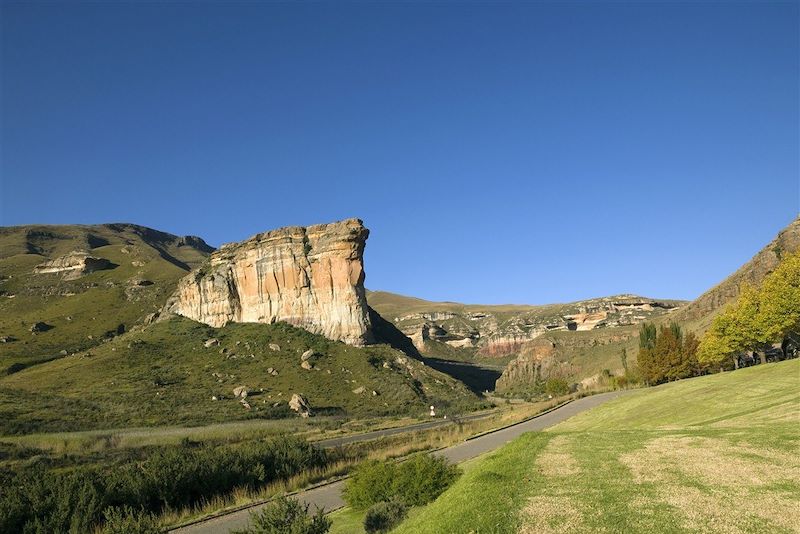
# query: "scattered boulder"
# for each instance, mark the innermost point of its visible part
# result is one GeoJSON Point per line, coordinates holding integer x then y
{"type": "Point", "coordinates": [375, 393]}
{"type": "Point", "coordinates": [7, 339]}
{"type": "Point", "coordinates": [240, 392]}
{"type": "Point", "coordinates": [271, 371]}
{"type": "Point", "coordinates": [308, 355]}
{"type": "Point", "coordinates": [274, 346]}
{"type": "Point", "coordinates": [300, 404]}
{"type": "Point", "coordinates": [211, 342]}
{"type": "Point", "coordinates": [40, 327]}
{"type": "Point", "coordinates": [359, 390]}
{"type": "Point", "coordinates": [306, 365]}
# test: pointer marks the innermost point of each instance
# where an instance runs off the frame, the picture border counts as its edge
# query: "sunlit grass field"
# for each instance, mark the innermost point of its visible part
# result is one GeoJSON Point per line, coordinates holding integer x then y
{"type": "Point", "coordinates": [711, 454]}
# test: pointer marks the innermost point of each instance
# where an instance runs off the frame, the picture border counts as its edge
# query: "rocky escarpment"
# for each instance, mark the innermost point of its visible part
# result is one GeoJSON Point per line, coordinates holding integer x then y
{"type": "Point", "coordinates": [498, 331]}
{"type": "Point", "coordinates": [752, 272]}
{"type": "Point", "coordinates": [73, 265]}
{"type": "Point", "coordinates": [312, 277]}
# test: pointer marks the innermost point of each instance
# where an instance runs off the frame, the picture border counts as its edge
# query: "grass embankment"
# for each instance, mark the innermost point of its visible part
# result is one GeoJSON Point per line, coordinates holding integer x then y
{"type": "Point", "coordinates": [710, 454]}
{"type": "Point", "coordinates": [165, 375]}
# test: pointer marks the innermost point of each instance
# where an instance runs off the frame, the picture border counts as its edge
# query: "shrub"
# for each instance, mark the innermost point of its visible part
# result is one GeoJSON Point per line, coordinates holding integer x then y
{"type": "Point", "coordinates": [556, 387]}
{"type": "Point", "coordinates": [370, 483]}
{"type": "Point", "coordinates": [129, 521]}
{"type": "Point", "coordinates": [171, 477]}
{"type": "Point", "coordinates": [287, 516]}
{"type": "Point", "coordinates": [423, 478]}
{"type": "Point", "coordinates": [383, 516]}
{"type": "Point", "coordinates": [415, 482]}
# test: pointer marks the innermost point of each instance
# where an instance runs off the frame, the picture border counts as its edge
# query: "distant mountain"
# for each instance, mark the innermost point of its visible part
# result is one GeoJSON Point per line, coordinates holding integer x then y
{"type": "Point", "coordinates": [503, 330]}
{"type": "Point", "coordinates": [560, 356]}
{"type": "Point", "coordinates": [79, 349]}
{"type": "Point", "coordinates": [66, 288]}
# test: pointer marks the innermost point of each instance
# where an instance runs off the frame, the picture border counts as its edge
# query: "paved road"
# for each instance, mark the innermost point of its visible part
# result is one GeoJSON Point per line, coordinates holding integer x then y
{"type": "Point", "coordinates": [329, 497]}
{"type": "Point", "coordinates": [336, 442]}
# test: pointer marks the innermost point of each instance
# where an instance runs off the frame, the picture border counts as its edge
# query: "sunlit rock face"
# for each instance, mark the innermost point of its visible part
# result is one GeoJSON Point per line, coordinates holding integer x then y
{"type": "Point", "coordinates": [312, 277]}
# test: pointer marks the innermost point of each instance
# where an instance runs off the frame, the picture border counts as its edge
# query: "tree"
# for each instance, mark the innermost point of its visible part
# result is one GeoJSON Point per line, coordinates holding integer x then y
{"type": "Point", "coordinates": [757, 318]}
{"type": "Point", "coordinates": [779, 313]}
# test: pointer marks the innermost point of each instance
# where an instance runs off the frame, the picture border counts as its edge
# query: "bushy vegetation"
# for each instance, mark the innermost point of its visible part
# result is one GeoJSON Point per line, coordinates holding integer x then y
{"type": "Point", "coordinates": [287, 516]}
{"type": "Point", "coordinates": [381, 517]}
{"type": "Point", "coordinates": [667, 354]}
{"type": "Point", "coordinates": [759, 317]}
{"type": "Point", "coordinates": [713, 454]}
{"type": "Point", "coordinates": [38, 499]}
{"type": "Point", "coordinates": [414, 482]}
{"type": "Point", "coordinates": [165, 375]}
{"type": "Point", "coordinates": [127, 520]}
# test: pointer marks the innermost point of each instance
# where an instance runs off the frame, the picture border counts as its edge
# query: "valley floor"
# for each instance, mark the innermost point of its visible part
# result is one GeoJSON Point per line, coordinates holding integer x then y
{"type": "Point", "coordinates": [711, 454]}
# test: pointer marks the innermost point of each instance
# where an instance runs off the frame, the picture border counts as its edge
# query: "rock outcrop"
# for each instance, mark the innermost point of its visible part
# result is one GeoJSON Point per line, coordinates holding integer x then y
{"type": "Point", "coordinates": [312, 277]}
{"type": "Point", "coordinates": [74, 265]}
{"type": "Point", "coordinates": [501, 331]}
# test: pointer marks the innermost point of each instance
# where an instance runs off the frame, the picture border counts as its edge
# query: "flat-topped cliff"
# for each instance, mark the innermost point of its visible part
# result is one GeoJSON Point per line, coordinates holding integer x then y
{"type": "Point", "coordinates": [312, 277]}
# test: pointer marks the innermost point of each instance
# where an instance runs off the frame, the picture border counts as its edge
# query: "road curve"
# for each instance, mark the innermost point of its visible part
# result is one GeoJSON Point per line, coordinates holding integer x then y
{"type": "Point", "coordinates": [329, 496]}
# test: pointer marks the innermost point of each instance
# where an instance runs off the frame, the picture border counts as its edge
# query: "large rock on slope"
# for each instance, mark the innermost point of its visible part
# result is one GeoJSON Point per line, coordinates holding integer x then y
{"type": "Point", "coordinates": [74, 264]}
{"type": "Point", "coordinates": [312, 277]}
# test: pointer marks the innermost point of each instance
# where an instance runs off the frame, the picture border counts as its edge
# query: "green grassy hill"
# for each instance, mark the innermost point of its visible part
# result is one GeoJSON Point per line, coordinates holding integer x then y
{"type": "Point", "coordinates": [710, 454]}
{"type": "Point", "coordinates": [81, 312]}
{"type": "Point", "coordinates": [164, 374]}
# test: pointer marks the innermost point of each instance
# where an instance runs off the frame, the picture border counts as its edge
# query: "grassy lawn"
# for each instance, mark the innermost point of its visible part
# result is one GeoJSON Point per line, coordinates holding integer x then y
{"type": "Point", "coordinates": [711, 454]}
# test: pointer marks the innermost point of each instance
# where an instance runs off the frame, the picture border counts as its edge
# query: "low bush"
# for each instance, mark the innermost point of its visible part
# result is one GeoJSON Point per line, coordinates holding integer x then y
{"type": "Point", "coordinates": [287, 516]}
{"type": "Point", "coordinates": [126, 520]}
{"type": "Point", "coordinates": [41, 500]}
{"type": "Point", "coordinates": [415, 482]}
{"type": "Point", "coordinates": [383, 516]}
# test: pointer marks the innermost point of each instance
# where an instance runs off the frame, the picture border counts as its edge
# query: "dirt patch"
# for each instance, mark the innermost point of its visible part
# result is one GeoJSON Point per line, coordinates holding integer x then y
{"type": "Point", "coordinates": [712, 462]}
{"type": "Point", "coordinates": [556, 459]}
{"type": "Point", "coordinates": [546, 514]}
{"type": "Point", "coordinates": [731, 513]}
{"type": "Point", "coordinates": [716, 486]}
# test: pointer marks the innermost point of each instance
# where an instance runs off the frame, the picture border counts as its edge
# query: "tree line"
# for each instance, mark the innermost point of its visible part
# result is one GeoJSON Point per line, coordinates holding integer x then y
{"type": "Point", "coordinates": [759, 319]}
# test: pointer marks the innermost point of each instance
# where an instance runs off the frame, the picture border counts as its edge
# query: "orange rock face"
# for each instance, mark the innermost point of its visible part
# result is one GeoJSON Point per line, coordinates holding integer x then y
{"type": "Point", "coordinates": [312, 277]}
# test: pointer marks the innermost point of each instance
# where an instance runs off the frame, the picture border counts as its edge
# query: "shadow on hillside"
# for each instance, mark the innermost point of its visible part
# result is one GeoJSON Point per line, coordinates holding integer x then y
{"type": "Point", "coordinates": [475, 377]}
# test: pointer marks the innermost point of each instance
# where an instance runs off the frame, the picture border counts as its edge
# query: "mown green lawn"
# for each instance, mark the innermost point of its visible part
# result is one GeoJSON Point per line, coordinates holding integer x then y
{"type": "Point", "coordinates": [711, 454]}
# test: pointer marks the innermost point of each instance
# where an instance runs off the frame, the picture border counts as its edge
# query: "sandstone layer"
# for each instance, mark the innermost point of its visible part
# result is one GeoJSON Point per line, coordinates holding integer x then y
{"type": "Point", "coordinates": [311, 277]}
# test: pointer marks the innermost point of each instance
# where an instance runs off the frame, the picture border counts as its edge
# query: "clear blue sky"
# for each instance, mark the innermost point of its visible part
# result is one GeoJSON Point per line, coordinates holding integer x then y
{"type": "Point", "coordinates": [511, 152]}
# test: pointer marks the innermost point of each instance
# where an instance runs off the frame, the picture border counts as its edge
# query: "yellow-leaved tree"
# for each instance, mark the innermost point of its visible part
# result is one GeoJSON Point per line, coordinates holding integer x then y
{"type": "Point", "coordinates": [757, 318]}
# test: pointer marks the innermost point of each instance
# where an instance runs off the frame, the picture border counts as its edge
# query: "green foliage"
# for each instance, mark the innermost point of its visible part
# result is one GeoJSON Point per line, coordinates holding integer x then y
{"type": "Point", "coordinates": [666, 354]}
{"type": "Point", "coordinates": [758, 317]}
{"type": "Point", "coordinates": [383, 516]}
{"type": "Point", "coordinates": [416, 481]}
{"type": "Point", "coordinates": [287, 516]}
{"type": "Point", "coordinates": [74, 500]}
{"type": "Point", "coordinates": [556, 387]}
{"type": "Point", "coordinates": [127, 520]}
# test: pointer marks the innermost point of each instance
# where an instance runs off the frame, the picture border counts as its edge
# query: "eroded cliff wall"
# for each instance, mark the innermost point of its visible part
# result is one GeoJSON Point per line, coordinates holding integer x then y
{"type": "Point", "coordinates": [312, 277]}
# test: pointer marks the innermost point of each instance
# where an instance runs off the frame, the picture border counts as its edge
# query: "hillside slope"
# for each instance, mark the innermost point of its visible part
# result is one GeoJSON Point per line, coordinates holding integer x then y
{"type": "Point", "coordinates": [699, 313]}
{"type": "Point", "coordinates": [83, 284]}
{"type": "Point", "coordinates": [180, 372]}
{"type": "Point", "coordinates": [711, 454]}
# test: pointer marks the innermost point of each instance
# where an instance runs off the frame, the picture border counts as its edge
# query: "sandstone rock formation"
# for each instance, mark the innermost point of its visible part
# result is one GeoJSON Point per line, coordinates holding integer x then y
{"type": "Point", "coordinates": [74, 264]}
{"type": "Point", "coordinates": [299, 404]}
{"type": "Point", "coordinates": [500, 331]}
{"type": "Point", "coordinates": [312, 277]}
